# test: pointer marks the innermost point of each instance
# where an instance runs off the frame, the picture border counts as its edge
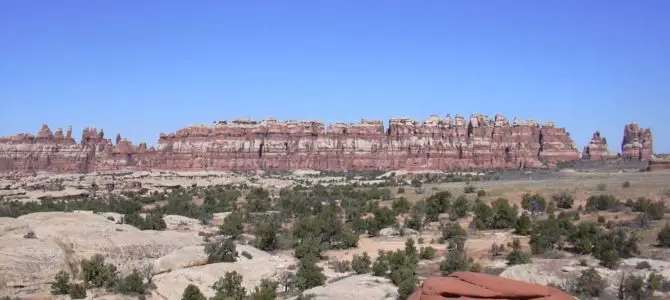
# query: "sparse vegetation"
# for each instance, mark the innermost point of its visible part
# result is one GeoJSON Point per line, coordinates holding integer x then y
{"type": "Point", "coordinates": [361, 263]}
{"type": "Point", "coordinates": [563, 200]}
{"type": "Point", "coordinates": [221, 250]}
{"type": "Point", "coordinates": [192, 292]}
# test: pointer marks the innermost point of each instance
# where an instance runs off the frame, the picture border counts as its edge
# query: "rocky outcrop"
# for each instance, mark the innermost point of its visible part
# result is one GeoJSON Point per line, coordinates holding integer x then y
{"type": "Point", "coordinates": [483, 286]}
{"type": "Point", "coordinates": [637, 142]}
{"type": "Point", "coordinates": [597, 149]}
{"type": "Point", "coordinates": [59, 241]}
{"type": "Point", "coordinates": [353, 288]}
{"type": "Point", "coordinates": [436, 144]}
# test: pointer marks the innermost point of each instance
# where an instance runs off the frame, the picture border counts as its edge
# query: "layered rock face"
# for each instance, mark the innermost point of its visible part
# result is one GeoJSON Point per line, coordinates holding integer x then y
{"type": "Point", "coordinates": [597, 149]}
{"type": "Point", "coordinates": [436, 144]}
{"type": "Point", "coordinates": [637, 142]}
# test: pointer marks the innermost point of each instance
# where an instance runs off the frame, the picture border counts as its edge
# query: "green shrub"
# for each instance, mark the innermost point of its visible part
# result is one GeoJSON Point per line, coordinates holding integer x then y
{"type": "Point", "coordinates": [450, 231]}
{"type": "Point", "coordinates": [132, 284]}
{"type": "Point", "coordinates": [427, 253]}
{"type": "Point", "coordinates": [469, 189]}
{"type": "Point", "coordinates": [361, 263]}
{"type": "Point", "coordinates": [516, 256]}
{"type": "Point", "coordinates": [61, 285]}
{"type": "Point", "coordinates": [229, 287]}
{"type": "Point", "coordinates": [481, 193]}
{"type": "Point", "coordinates": [97, 273]}
{"type": "Point", "coordinates": [563, 200]}
{"type": "Point", "coordinates": [233, 225]}
{"type": "Point", "coordinates": [221, 250]}
{"type": "Point", "coordinates": [192, 292]}
{"type": "Point", "coordinates": [663, 237]}
{"type": "Point", "coordinates": [589, 284]}
{"type": "Point", "coordinates": [341, 266]}
{"type": "Point", "coordinates": [77, 291]}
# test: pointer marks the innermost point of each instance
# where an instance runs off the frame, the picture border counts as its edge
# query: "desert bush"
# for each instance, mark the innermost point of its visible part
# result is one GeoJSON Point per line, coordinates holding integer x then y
{"type": "Point", "coordinates": [523, 225]}
{"type": "Point", "coordinates": [30, 235]}
{"type": "Point", "coordinates": [663, 237]}
{"type": "Point", "coordinates": [361, 263]}
{"type": "Point", "coordinates": [61, 285]}
{"type": "Point", "coordinates": [533, 203]}
{"type": "Point", "coordinates": [400, 205]}
{"type": "Point", "coordinates": [401, 190]}
{"type": "Point", "coordinates": [516, 256]}
{"type": "Point", "coordinates": [132, 284]}
{"type": "Point", "coordinates": [309, 275]}
{"type": "Point", "coordinates": [459, 208]}
{"type": "Point", "coordinates": [589, 284]}
{"type": "Point", "coordinates": [469, 189]}
{"type": "Point", "coordinates": [602, 202]}
{"type": "Point", "coordinates": [481, 193]}
{"type": "Point", "coordinates": [427, 253]}
{"type": "Point", "coordinates": [221, 250]}
{"type": "Point", "coordinates": [77, 291]}
{"type": "Point", "coordinates": [601, 186]}
{"type": "Point", "coordinates": [192, 292]}
{"type": "Point", "coordinates": [626, 184]}
{"type": "Point", "coordinates": [341, 266]}
{"type": "Point", "coordinates": [450, 231]}
{"type": "Point", "coordinates": [229, 287]}
{"type": "Point", "coordinates": [266, 290]}
{"type": "Point", "coordinates": [233, 225]}
{"type": "Point", "coordinates": [97, 273]}
{"type": "Point", "coordinates": [563, 200]}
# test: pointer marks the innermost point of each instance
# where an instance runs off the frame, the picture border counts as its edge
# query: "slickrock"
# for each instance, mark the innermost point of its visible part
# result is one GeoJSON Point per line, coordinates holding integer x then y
{"type": "Point", "coordinates": [637, 142]}
{"type": "Point", "coordinates": [564, 271]}
{"type": "Point", "coordinates": [61, 240]}
{"type": "Point", "coordinates": [355, 287]}
{"type": "Point", "coordinates": [435, 144]}
{"type": "Point", "coordinates": [171, 285]}
{"type": "Point", "coordinates": [597, 149]}
{"type": "Point", "coordinates": [483, 286]}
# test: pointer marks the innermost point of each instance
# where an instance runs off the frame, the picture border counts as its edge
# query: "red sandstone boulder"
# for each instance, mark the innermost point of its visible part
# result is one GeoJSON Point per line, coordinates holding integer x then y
{"type": "Point", "coordinates": [469, 285]}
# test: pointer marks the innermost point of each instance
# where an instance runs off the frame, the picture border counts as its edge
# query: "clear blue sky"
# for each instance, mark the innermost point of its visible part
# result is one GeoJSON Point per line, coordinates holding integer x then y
{"type": "Point", "coordinates": [145, 67]}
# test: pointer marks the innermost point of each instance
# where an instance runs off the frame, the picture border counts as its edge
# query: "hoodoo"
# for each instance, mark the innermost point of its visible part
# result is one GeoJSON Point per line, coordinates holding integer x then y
{"type": "Point", "coordinates": [437, 143]}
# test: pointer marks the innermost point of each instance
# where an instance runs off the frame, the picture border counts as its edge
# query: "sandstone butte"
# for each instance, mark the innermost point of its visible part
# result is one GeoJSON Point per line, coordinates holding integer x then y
{"type": "Point", "coordinates": [435, 144]}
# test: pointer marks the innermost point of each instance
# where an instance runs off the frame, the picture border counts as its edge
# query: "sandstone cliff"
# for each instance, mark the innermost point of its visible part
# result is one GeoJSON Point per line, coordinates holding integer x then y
{"type": "Point", "coordinates": [437, 143]}
{"type": "Point", "coordinates": [637, 142]}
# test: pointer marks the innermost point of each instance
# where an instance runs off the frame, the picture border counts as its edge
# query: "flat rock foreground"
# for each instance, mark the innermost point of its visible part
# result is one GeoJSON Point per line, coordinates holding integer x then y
{"type": "Point", "coordinates": [306, 234]}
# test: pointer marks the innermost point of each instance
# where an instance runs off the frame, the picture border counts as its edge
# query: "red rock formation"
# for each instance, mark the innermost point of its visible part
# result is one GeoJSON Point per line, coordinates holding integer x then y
{"type": "Point", "coordinates": [637, 142]}
{"type": "Point", "coordinates": [436, 144]}
{"type": "Point", "coordinates": [597, 149]}
{"type": "Point", "coordinates": [469, 285]}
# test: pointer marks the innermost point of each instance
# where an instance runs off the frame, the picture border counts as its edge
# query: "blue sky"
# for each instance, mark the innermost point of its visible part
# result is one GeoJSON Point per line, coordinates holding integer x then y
{"type": "Point", "coordinates": [145, 67]}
